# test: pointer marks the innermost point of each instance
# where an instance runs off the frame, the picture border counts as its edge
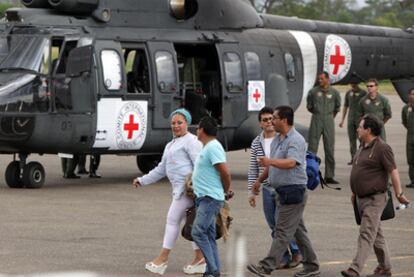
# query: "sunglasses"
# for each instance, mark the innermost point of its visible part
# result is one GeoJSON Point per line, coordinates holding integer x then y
{"type": "Point", "coordinates": [267, 119]}
{"type": "Point", "coordinates": [371, 86]}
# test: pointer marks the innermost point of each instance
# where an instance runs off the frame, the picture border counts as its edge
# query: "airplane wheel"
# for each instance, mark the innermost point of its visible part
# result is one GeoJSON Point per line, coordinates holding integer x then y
{"type": "Point", "coordinates": [33, 175]}
{"type": "Point", "coordinates": [13, 179]}
{"type": "Point", "coordinates": [148, 162]}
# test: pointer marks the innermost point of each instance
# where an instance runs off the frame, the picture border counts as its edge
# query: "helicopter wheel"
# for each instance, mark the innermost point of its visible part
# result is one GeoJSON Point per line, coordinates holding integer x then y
{"type": "Point", "coordinates": [148, 162]}
{"type": "Point", "coordinates": [12, 175]}
{"type": "Point", "coordinates": [33, 175]}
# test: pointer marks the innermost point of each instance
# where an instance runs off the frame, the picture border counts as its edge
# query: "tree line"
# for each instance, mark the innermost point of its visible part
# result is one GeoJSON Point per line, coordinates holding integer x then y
{"type": "Point", "coordinates": [392, 13]}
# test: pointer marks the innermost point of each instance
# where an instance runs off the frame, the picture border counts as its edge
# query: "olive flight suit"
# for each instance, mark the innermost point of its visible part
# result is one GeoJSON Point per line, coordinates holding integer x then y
{"type": "Point", "coordinates": [408, 122]}
{"type": "Point", "coordinates": [352, 99]}
{"type": "Point", "coordinates": [379, 107]}
{"type": "Point", "coordinates": [323, 105]}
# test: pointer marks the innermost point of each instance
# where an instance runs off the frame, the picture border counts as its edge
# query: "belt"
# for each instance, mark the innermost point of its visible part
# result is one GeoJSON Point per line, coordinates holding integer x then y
{"type": "Point", "coordinates": [372, 194]}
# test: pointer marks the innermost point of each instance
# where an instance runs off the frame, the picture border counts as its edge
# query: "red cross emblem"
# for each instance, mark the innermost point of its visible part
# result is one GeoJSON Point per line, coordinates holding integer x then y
{"type": "Point", "coordinates": [131, 126]}
{"type": "Point", "coordinates": [337, 59]}
{"type": "Point", "coordinates": [256, 96]}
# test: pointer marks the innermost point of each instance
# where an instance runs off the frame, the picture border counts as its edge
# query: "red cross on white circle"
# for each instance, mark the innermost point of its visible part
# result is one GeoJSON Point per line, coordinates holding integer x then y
{"type": "Point", "coordinates": [337, 59]}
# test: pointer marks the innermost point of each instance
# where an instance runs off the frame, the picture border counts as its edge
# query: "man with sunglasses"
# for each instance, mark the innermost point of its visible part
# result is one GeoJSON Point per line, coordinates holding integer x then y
{"type": "Point", "coordinates": [260, 148]}
{"type": "Point", "coordinates": [375, 104]}
{"type": "Point", "coordinates": [286, 170]}
{"type": "Point", "coordinates": [324, 102]}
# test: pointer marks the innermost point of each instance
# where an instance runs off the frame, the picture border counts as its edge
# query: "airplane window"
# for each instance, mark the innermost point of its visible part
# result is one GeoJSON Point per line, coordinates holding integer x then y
{"type": "Point", "coordinates": [252, 66]}
{"type": "Point", "coordinates": [112, 69]}
{"type": "Point", "coordinates": [165, 71]}
{"type": "Point", "coordinates": [233, 71]}
{"type": "Point", "coordinates": [290, 67]}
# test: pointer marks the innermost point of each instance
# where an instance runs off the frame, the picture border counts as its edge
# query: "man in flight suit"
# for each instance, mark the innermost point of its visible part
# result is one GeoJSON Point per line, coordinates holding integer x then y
{"type": "Point", "coordinates": [352, 98]}
{"type": "Point", "coordinates": [324, 102]}
{"type": "Point", "coordinates": [408, 122]}
{"type": "Point", "coordinates": [376, 104]}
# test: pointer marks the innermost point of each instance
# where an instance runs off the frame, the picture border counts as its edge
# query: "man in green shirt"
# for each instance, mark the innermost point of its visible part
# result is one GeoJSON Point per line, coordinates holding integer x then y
{"type": "Point", "coordinates": [324, 102]}
{"type": "Point", "coordinates": [352, 98]}
{"type": "Point", "coordinates": [376, 104]}
{"type": "Point", "coordinates": [408, 122]}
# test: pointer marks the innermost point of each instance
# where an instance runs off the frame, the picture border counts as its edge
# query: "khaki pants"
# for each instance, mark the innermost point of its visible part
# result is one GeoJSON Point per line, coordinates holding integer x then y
{"type": "Point", "coordinates": [370, 233]}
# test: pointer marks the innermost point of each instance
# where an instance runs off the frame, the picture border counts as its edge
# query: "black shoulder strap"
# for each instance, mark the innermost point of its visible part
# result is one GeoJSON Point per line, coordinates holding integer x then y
{"type": "Point", "coordinates": [324, 184]}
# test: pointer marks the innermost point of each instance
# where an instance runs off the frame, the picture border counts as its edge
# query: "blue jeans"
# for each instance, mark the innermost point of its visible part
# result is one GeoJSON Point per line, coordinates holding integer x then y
{"type": "Point", "coordinates": [269, 208]}
{"type": "Point", "coordinates": [204, 231]}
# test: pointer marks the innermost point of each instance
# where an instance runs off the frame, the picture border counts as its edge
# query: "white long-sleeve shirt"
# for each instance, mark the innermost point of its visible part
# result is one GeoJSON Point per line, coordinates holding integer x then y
{"type": "Point", "coordinates": [177, 163]}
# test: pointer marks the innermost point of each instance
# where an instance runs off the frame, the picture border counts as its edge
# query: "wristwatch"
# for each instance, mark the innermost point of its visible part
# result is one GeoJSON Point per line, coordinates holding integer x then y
{"type": "Point", "coordinates": [400, 194]}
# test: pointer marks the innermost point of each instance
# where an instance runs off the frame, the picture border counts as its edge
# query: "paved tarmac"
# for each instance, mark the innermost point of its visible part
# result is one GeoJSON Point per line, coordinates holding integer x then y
{"type": "Point", "coordinates": [106, 226]}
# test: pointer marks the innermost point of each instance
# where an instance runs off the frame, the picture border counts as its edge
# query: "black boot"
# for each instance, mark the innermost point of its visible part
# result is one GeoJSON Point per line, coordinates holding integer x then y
{"type": "Point", "coordinates": [93, 166]}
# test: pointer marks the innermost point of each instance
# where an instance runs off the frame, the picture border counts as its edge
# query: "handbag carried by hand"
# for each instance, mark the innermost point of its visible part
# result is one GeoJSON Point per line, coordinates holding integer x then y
{"type": "Point", "coordinates": [223, 222]}
{"type": "Point", "coordinates": [388, 212]}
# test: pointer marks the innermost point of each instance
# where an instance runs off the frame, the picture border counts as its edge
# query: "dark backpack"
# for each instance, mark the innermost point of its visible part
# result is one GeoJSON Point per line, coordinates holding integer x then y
{"type": "Point", "coordinates": [314, 174]}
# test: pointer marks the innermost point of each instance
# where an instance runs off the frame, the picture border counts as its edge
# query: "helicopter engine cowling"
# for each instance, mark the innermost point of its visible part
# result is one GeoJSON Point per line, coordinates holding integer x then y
{"type": "Point", "coordinates": [75, 6]}
{"type": "Point", "coordinates": [36, 3]}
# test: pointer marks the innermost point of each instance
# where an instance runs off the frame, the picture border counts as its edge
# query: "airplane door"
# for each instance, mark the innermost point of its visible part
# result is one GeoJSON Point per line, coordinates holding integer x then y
{"type": "Point", "coordinates": [233, 85]}
{"type": "Point", "coordinates": [166, 93]}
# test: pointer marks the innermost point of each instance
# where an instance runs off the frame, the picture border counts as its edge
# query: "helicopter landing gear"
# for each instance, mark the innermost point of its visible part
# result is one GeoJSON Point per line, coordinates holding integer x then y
{"type": "Point", "coordinates": [22, 175]}
{"type": "Point", "coordinates": [147, 162]}
{"type": "Point", "coordinates": [13, 179]}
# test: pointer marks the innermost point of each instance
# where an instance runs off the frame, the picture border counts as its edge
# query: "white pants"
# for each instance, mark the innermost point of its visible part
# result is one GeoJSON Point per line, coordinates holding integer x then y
{"type": "Point", "coordinates": [175, 217]}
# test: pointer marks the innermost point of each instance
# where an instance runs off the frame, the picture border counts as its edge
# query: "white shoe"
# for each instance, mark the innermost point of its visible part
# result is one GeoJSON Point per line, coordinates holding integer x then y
{"type": "Point", "coordinates": [197, 268]}
{"type": "Point", "coordinates": [157, 269]}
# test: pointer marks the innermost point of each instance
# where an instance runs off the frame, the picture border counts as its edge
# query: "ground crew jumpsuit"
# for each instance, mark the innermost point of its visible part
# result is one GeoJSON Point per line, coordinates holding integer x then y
{"type": "Point", "coordinates": [352, 99]}
{"type": "Point", "coordinates": [380, 107]}
{"type": "Point", "coordinates": [323, 105]}
{"type": "Point", "coordinates": [408, 122]}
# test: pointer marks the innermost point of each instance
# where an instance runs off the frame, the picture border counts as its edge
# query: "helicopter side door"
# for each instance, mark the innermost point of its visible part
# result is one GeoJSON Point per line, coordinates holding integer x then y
{"type": "Point", "coordinates": [122, 116]}
{"type": "Point", "coordinates": [233, 86]}
{"type": "Point", "coordinates": [166, 93]}
{"type": "Point", "coordinates": [73, 89]}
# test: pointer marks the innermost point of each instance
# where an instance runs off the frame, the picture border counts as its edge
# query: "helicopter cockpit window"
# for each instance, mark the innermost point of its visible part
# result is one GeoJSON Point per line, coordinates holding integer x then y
{"type": "Point", "coordinates": [233, 71]}
{"type": "Point", "coordinates": [252, 66]}
{"type": "Point", "coordinates": [112, 69]}
{"type": "Point", "coordinates": [290, 67]}
{"type": "Point", "coordinates": [26, 53]}
{"type": "Point", "coordinates": [166, 74]}
{"type": "Point", "coordinates": [137, 71]}
{"type": "Point", "coordinates": [24, 67]}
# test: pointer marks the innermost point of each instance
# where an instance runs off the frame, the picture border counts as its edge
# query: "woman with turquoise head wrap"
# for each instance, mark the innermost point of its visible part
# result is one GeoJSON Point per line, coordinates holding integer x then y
{"type": "Point", "coordinates": [184, 113]}
{"type": "Point", "coordinates": [177, 163]}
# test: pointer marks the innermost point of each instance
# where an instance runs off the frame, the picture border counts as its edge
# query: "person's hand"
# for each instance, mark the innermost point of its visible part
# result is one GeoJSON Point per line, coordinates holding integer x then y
{"type": "Point", "coordinates": [256, 187]}
{"type": "Point", "coordinates": [252, 201]}
{"type": "Point", "coordinates": [136, 183]}
{"type": "Point", "coordinates": [402, 199]}
{"type": "Point", "coordinates": [263, 161]}
{"type": "Point", "coordinates": [228, 195]}
{"type": "Point", "coordinates": [341, 124]}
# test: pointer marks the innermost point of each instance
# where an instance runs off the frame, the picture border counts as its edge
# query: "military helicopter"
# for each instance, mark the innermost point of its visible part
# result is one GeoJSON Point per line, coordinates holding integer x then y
{"type": "Point", "coordinates": [103, 76]}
